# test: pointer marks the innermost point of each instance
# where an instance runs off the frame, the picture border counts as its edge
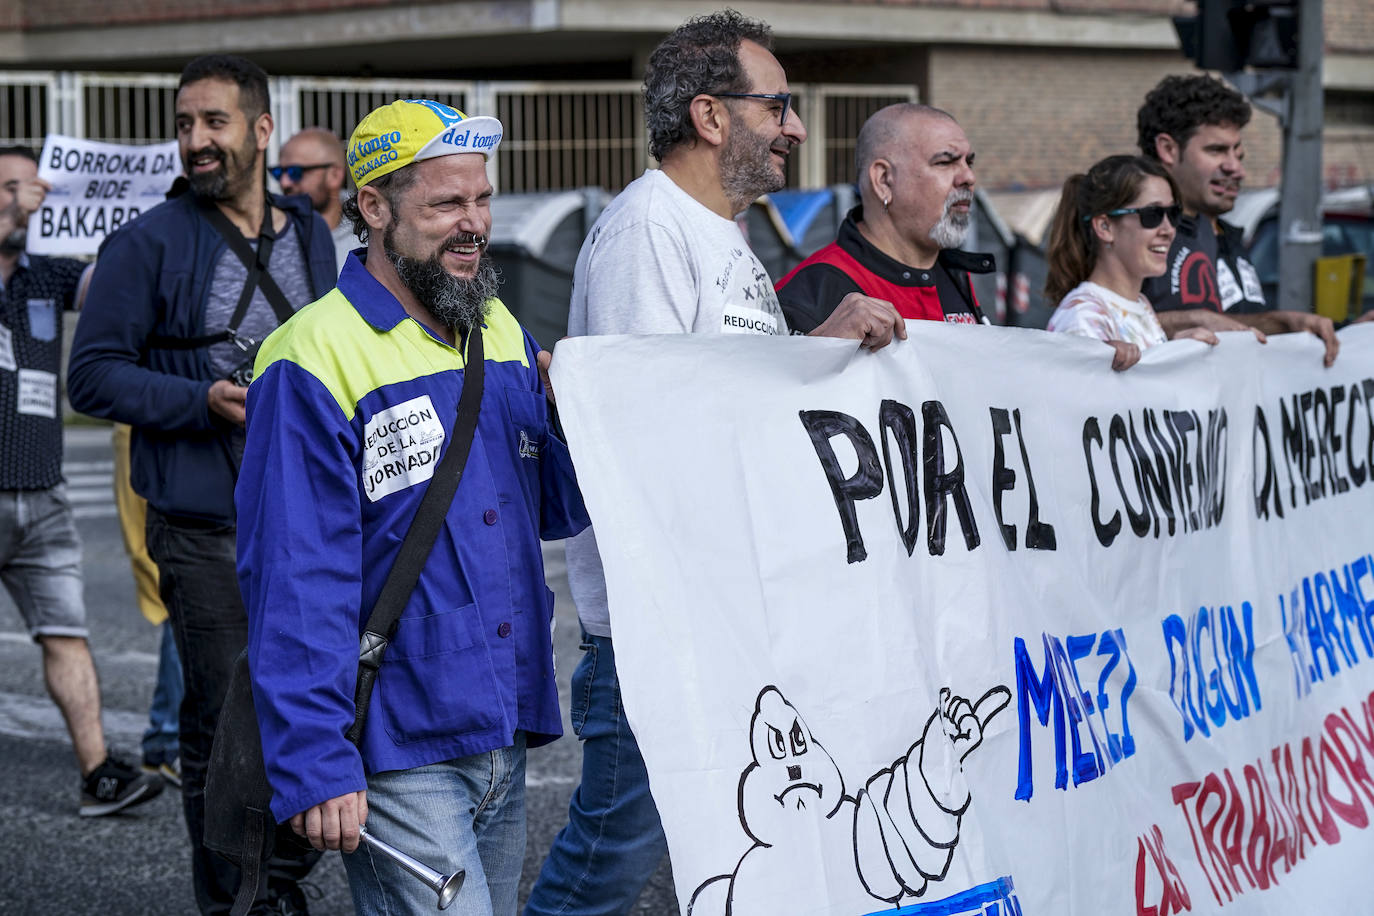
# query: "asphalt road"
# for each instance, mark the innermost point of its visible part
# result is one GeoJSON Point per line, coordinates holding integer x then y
{"type": "Point", "coordinates": [52, 861]}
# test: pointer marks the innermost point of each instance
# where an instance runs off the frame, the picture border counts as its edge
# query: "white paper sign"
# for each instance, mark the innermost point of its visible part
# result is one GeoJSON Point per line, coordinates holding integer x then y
{"type": "Point", "coordinates": [37, 393]}
{"type": "Point", "coordinates": [976, 625]}
{"type": "Point", "coordinates": [97, 187]}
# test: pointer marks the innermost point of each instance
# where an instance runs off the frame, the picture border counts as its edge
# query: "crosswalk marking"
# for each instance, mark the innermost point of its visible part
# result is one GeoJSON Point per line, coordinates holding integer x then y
{"type": "Point", "coordinates": [89, 480]}
{"type": "Point", "coordinates": [90, 488]}
{"type": "Point", "coordinates": [29, 717]}
{"type": "Point", "coordinates": [80, 512]}
{"type": "Point", "coordinates": [88, 467]}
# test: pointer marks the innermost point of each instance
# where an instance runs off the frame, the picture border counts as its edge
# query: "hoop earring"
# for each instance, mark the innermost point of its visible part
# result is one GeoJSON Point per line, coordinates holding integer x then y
{"type": "Point", "coordinates": [886, 201]}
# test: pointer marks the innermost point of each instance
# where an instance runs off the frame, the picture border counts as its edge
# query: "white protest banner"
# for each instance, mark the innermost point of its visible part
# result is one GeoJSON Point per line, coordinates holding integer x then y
{"type": "Point", "coordinates": [975, 625]}
{"type": "Point", "coordinates": [96, 188]}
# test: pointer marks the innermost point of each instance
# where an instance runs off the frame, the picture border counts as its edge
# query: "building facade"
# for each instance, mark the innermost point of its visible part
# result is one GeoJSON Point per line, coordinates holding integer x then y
{"type": "Point", "coordinates": [1043, 87]}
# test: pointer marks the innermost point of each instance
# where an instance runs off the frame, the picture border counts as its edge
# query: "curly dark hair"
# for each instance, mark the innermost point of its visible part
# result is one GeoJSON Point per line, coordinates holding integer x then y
{"type": "Point", "coordinates": [1179, 105]}
{"type": "Point", "coordinates": [390, 186]}
{"type": "Point", "coordinates": [254, 99]}
{"type": "Point", "coordinates": [700, 57]}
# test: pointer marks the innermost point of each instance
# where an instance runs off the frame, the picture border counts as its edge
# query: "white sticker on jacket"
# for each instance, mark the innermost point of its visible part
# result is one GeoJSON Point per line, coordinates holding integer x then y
{"type": "Point", "coordinates": [1250, 281]}
{"type": "Point", "coordinates": [6, 349]}
{"type": "Point", "coordinates": [1228, 290]}
{"type": "Point", "coordinates": [401, 445]}
{"type": "Point", "coordinates": [740, 319]}
{"type": "Point", "coordinates": [37, 393]}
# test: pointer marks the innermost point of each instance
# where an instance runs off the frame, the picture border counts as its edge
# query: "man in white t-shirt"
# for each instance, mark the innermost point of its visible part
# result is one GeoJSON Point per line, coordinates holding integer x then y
{"type": "Point", "coordinates": [667, 257]}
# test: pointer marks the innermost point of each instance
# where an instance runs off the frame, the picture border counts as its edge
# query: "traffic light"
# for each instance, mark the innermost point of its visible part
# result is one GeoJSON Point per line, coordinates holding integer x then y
{"type": "Point", "coordinates": [1229, 35]}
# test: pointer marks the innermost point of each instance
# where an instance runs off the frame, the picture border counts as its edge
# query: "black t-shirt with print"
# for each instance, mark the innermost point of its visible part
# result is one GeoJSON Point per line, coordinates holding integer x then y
{"type": "Point", "coordinates": [1206, 271]}
{"type": "Point", "coordinates": [31, 306]}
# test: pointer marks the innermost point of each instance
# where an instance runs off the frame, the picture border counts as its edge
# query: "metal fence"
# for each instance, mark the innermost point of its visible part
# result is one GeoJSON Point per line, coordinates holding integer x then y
{"type": "Point", "coordinates": [559, 135]}
{"type": "Point", "coordinates": [27, 103]}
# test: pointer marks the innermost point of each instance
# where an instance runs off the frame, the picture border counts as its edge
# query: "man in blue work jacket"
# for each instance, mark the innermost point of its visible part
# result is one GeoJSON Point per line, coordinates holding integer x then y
{"type": "Point", "coordinates": [163, 345]}
{"type": "Point", "coordinates": [353, 402]}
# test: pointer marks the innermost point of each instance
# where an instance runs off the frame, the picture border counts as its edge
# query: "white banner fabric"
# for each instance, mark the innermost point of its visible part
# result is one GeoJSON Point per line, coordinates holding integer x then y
{"type": "Point", "coordinates": [96, 188]}
{"type": "Point", "coordinates": [976, 625]}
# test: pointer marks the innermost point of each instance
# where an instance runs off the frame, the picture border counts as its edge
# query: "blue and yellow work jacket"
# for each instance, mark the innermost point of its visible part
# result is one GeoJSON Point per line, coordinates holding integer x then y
{"type": "Point", "coordinates": [352, 404]}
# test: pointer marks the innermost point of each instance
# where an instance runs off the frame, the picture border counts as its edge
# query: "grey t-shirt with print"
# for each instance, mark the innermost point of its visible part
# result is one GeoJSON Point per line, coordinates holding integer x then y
{"type": "Point", "coordinates": [287, 266]}
{"type": "Point", "coordinates": [660, 262]}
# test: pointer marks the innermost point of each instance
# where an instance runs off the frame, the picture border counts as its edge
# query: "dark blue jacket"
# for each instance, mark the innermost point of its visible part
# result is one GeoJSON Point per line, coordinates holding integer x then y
{"type": "Point", "coordinates": [152, 278]}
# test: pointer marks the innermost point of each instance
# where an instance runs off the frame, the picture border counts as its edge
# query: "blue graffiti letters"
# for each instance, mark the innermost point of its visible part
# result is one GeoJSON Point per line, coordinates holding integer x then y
{"type": "Point", "coordinates": [1056, 695]}
{"type": "Point", "coordinates": [1212, 667]}
{"type": "Point", "coordinates": [1327, 620]}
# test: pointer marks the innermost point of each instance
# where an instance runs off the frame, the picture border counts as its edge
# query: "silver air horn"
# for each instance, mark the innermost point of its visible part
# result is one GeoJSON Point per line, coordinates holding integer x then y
{"type": "Point", "coordinates": [446, 886]}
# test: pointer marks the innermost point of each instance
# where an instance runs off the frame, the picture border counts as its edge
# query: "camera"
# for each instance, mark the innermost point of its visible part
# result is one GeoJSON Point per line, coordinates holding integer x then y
{"type": "Point", "coordinates": [242, 374]}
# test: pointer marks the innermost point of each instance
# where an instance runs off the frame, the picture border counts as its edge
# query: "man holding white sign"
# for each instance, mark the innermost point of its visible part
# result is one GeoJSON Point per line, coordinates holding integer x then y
{"type": "Point", "coordinates": [94, 188]}
{"type": "Point", "coordinates": [40, 562]}
{"type": "Point", "coordinates": [666, 257]}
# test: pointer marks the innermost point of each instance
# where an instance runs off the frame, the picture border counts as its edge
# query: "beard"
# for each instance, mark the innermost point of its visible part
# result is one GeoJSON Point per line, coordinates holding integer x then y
{"type": "Point", "coordinates": [16, 241]}
{"type": "Point", "coordinates": [953, 225]}
{"type": "Point", "coordinates": [458, 303]}
{"type": "Point", "coordinates": [223, 183]}
{"type": "Point", "coordinates": [747, 170]}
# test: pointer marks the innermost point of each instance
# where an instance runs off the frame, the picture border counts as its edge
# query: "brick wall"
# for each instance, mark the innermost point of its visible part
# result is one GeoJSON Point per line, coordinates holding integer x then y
{"type": "Point", "coordinates": [57, 13]}
{"type": "Point", "coordinates": [1349, 23]}
{"type": "Point", "coordinates": [1035, 116]}
{"type": "Point", "coordinates": [43, 14]}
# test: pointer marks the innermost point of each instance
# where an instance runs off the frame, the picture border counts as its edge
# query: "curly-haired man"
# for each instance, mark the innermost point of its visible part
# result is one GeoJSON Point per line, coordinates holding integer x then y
{"type": "Point", "coordinates": [1192, 126]}
{"type": "Point", "coordinates": [667, 257]}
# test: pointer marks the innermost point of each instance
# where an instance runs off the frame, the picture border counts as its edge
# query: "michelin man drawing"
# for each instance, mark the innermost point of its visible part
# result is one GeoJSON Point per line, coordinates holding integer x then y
{"type": "Point", "coordinates": [888, 841]}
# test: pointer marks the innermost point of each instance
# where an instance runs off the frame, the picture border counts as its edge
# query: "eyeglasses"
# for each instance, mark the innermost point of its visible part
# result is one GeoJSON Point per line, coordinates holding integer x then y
{"type": "Point", "coordinates": [295, 172]}
{"type": "Point", "coordinates": [784, 97]}
{"type": "Point", "coordinates": [1150, 217]}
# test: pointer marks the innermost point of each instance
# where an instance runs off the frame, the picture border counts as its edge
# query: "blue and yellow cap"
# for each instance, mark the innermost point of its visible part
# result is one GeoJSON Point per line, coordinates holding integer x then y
{"type": "Point", "coordinates": [409, 130]}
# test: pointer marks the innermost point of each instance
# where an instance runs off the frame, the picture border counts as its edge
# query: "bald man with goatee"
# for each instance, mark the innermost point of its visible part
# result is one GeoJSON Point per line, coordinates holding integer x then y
{"type": "Point", "coordinates": [900, 245]}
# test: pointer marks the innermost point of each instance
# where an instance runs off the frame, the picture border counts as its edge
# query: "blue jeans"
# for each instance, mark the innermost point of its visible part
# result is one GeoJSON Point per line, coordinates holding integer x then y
{"type": "Point", "coordinates": [160, 738]}
{"type": "Point", "coordinates": [602, 859]}
{"type": "Point", "coordinates": [466, 813]}
{"type": "Point", "coordinates": [200, 587]}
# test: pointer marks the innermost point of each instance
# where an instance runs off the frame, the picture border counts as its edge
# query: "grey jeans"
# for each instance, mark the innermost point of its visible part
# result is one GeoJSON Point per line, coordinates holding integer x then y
{"type": "Point", "coordinates": [40, 561]}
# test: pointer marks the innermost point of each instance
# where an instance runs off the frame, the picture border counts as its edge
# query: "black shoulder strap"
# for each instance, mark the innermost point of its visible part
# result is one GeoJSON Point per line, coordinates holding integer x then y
{"type": "Point", "coordinates": [255, 262]}
{"type": "Point", "coordinates": [250, 865]}
{"type": "Point", "coordinates": [419, 540]}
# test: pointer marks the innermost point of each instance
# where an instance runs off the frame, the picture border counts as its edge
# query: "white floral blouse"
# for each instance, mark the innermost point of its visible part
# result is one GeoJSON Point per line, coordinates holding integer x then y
{"type": "Point", "coordinates": [1094, 311]}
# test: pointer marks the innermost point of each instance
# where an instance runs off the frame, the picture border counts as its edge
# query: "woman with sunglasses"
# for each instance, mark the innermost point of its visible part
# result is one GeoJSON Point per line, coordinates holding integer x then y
{"type": "Point", "coordinates": [1111, 231]}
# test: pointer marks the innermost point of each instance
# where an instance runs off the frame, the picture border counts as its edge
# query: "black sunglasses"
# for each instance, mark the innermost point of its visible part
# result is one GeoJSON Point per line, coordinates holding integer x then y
{"type": "Point", "coordinates": [1150, 217]}
{"type": "Point", "coordinates": [294, 172]}
{"type": "Point", "coordinates": [784, 97]}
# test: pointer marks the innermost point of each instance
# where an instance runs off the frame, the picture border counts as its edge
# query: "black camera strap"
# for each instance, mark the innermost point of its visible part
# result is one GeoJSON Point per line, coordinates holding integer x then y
{"type": "Point", "coordinates": [242, 826]}
{"type": "Point", "coordinates": [256, 263]}
{"type": "Point", "coordinates": [419, 539]}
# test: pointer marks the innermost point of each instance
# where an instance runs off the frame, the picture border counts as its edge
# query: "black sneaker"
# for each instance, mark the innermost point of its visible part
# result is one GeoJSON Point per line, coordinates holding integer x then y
{"type": "Point", "coordinates": [115, 785]}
